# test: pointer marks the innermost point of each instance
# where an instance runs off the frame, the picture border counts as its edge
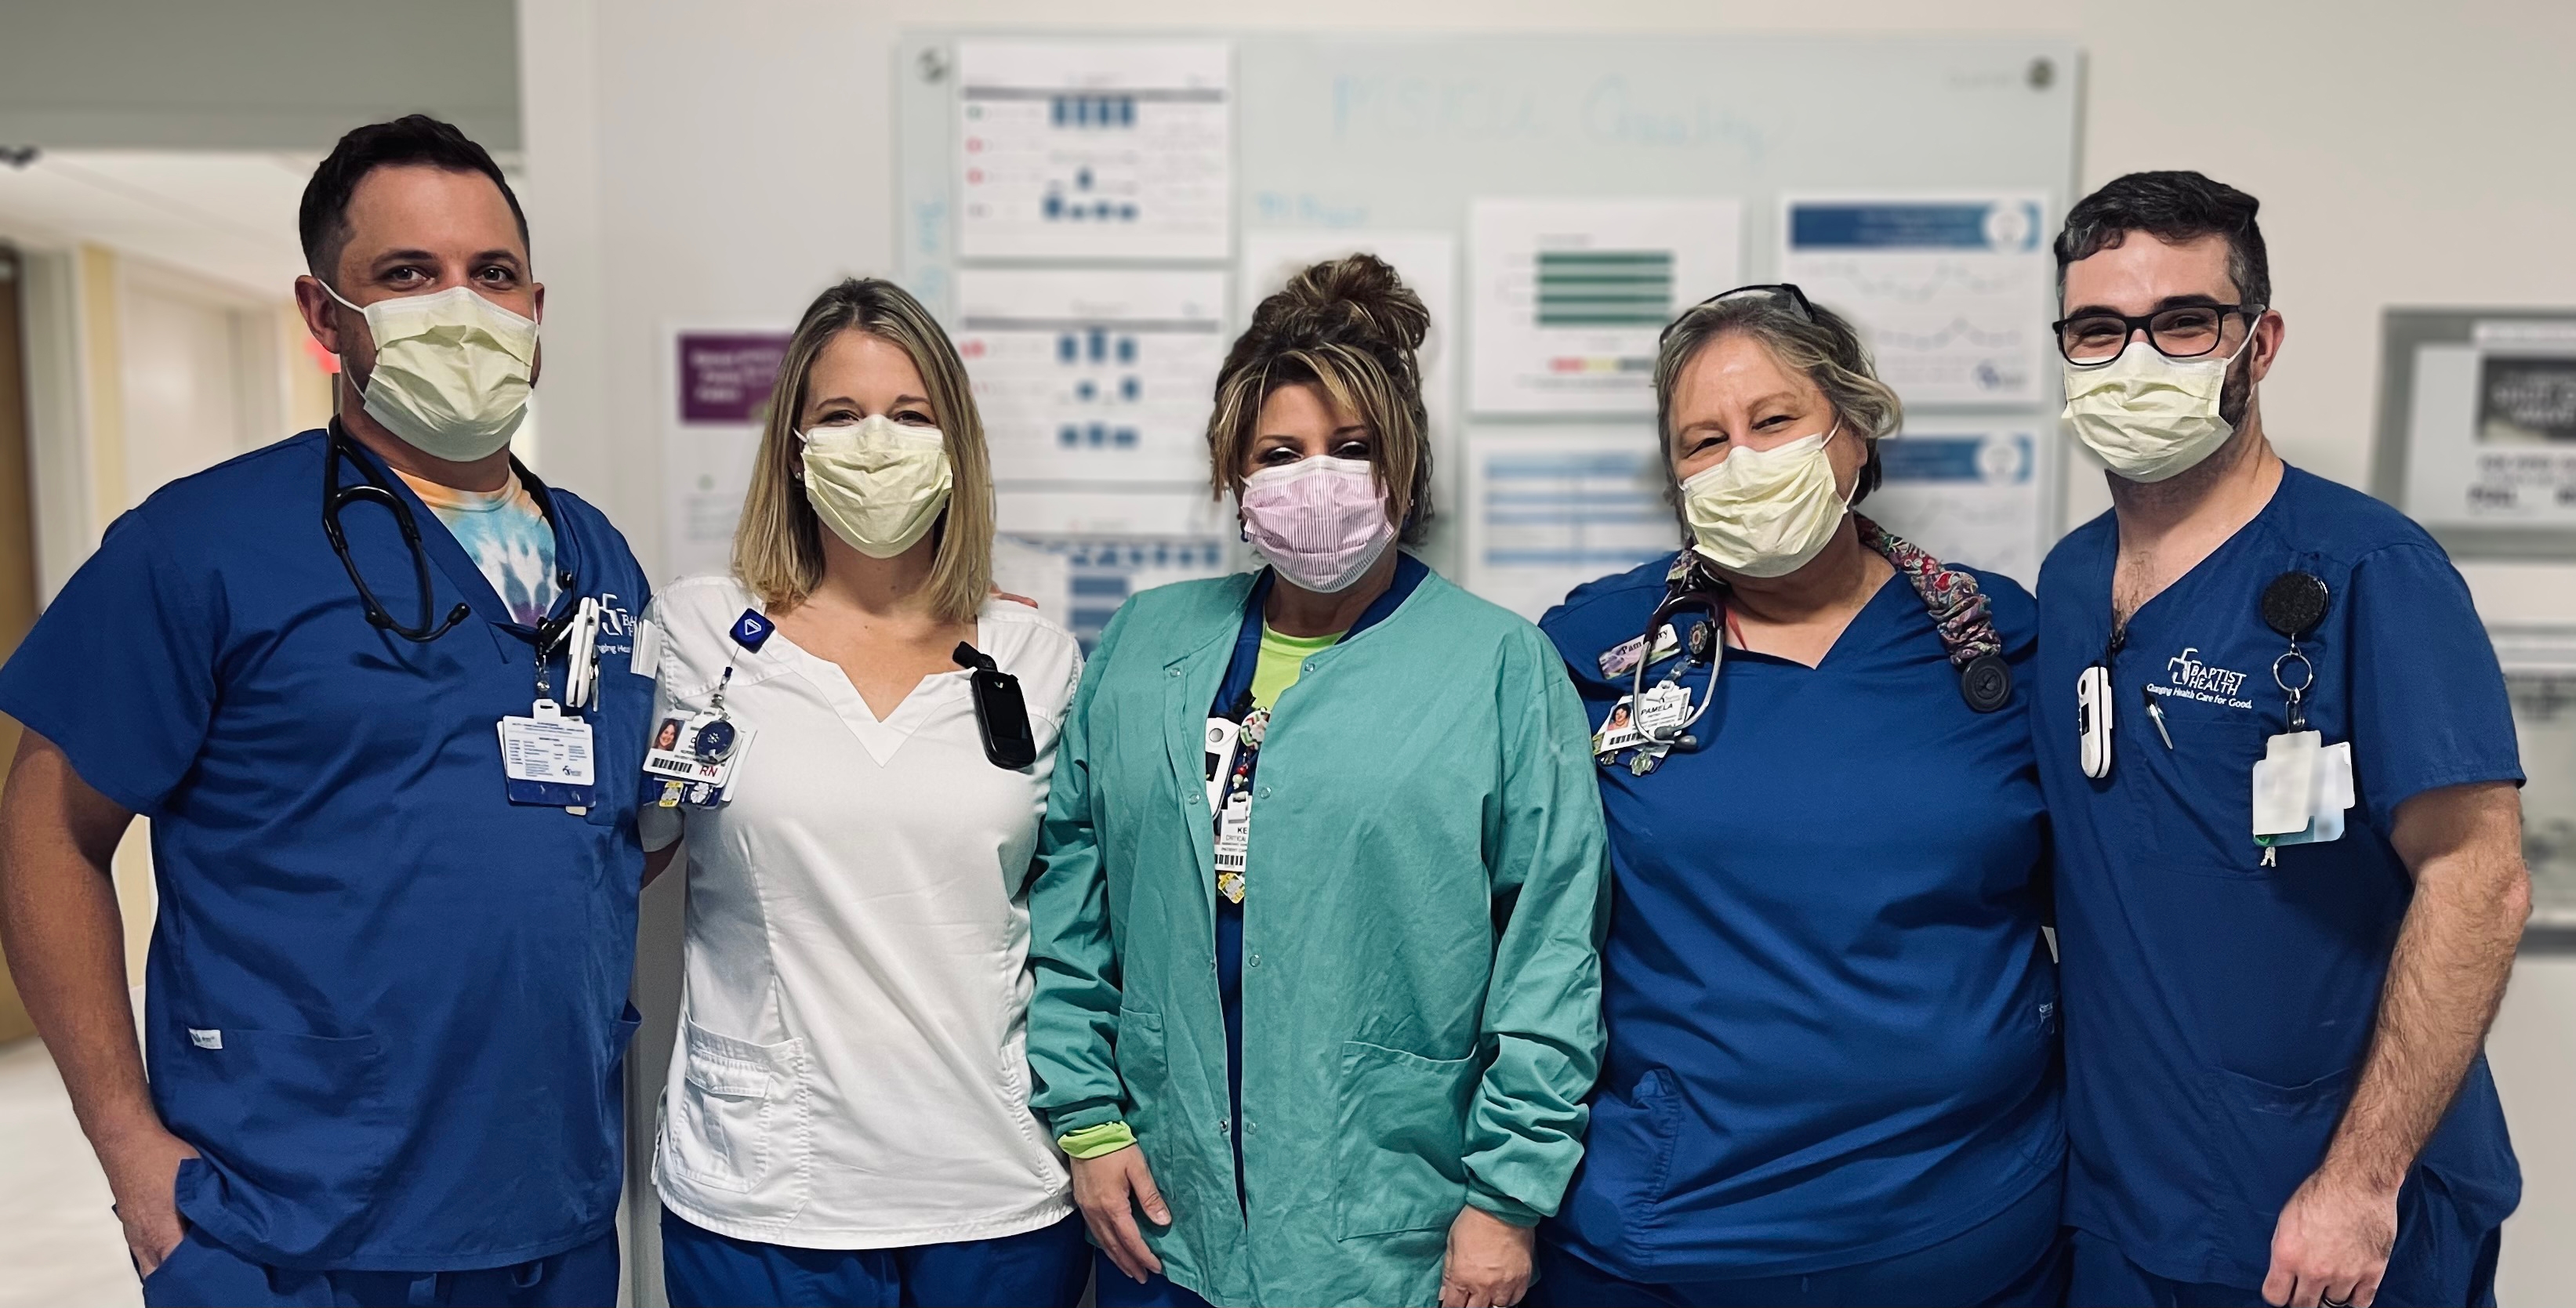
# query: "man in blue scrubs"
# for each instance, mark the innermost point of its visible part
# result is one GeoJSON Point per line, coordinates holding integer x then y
{"type": "Point", "coordinates": [2275, 1090]}
{"type": "Point", "coordinates": [386, 996]}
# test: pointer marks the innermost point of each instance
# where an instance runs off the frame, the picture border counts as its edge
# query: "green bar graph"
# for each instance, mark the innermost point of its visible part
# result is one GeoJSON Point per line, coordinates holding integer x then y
{"type": "Point", "coordinates": [1604, 288]}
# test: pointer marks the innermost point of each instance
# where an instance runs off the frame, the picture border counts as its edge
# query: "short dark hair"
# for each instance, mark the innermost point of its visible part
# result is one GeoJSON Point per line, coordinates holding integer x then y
{"type": "Point", "coordinates": [323, 219]}
{"type": "Point", "coordinates": [2172, 207]}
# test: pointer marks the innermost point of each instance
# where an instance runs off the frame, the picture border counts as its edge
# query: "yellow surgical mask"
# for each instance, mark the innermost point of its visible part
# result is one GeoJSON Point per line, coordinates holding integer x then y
{"type": "Point", "coordinates": [1765, 513]}
{"type": "Point", "coordinates": [453, 371]}
{"type": "Point", "coordinates": [2149, 417]}
{"type": "Point", "coordinates": [879, 485]}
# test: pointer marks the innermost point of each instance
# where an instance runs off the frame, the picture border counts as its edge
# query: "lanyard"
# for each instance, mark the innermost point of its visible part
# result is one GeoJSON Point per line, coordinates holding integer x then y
{"type": "Point", "coordinates": [1235, 729]}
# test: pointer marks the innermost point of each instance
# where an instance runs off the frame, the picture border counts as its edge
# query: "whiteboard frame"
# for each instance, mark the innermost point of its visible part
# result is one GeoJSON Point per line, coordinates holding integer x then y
{"type": "Point", "coordinates": [1340, 124]}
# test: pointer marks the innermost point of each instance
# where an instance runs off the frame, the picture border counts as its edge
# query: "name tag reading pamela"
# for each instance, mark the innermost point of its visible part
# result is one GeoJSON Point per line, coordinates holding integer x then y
{"type": "Point", "coordinates": [546, 758]}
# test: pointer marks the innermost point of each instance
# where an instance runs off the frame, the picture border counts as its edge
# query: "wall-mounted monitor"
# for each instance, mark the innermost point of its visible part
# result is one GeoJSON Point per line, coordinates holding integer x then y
{"type": "Point", "coordinates": [2477, 428]}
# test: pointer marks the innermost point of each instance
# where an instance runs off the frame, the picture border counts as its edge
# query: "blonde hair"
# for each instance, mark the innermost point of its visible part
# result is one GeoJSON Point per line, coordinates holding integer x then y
{"type": "Point", "coordinates": [778, 545]}
{"type": "Point", "coordinates": [1808, 338]}
{"type": "Point", "coordinates": [1351, 327]}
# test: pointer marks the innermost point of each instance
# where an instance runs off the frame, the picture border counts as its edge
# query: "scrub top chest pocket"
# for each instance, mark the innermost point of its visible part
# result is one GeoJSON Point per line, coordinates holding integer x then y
{"type": "Point", "coordinates": [2193, 722]}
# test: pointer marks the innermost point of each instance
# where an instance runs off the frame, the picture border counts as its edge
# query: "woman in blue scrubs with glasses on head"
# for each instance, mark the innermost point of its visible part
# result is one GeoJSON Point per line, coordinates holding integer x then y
{"type": "Point", "coordinates": [1832, 1074]}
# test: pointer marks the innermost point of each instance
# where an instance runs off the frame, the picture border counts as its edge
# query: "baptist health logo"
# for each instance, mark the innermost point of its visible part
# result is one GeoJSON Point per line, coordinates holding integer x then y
{"type": "Point", "coordinates": [2188, 672]}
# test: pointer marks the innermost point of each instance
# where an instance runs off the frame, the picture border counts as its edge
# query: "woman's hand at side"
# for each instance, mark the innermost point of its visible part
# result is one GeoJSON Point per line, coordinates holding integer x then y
{"type": "Point", "coordinates": [1109, 1189]}
{"type": "Point", "coordinates": [1489, 1261]}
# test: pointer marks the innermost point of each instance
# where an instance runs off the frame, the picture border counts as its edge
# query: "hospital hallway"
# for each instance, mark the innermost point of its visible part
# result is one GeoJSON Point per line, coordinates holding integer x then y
{"type": "Point", "coordinates": [59, 1243]}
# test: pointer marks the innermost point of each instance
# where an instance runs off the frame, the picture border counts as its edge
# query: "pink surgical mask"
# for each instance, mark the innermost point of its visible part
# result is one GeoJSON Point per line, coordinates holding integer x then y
{"type": "Point", "coordinates": [1319, 521]}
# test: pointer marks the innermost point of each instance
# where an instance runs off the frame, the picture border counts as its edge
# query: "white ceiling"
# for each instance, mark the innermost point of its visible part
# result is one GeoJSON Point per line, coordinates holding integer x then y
{"type": "Point", "coordinates": [225, 215]}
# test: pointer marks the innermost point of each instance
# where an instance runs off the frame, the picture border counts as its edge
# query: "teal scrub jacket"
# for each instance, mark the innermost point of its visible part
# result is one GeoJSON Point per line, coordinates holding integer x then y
{"type": "Point", "coordinates": [1421, 948]}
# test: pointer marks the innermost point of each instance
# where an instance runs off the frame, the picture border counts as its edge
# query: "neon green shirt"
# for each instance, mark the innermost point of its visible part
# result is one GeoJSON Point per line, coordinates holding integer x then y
{"type": "Point", "coordinates": [1275, 670]}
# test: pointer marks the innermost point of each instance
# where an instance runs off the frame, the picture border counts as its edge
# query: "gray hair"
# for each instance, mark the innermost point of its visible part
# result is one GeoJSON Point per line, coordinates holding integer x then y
{"type": "Point", "coordinates": [1804, 337]}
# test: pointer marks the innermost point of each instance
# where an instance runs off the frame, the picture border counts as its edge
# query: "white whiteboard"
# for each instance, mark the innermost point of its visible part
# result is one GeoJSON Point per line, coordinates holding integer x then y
{"type": "Point", "coordinates": [1341, 137]}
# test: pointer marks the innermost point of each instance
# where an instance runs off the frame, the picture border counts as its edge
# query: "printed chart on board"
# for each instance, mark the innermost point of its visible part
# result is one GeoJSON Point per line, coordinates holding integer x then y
{"type": "Point", "coordinates": [1951, 293]}
{"type": "Point", "coordinates": [1548, 510]}
{"type": "Point", "coordinates": [1071, 150]}
{"type": "Point", "coordinates": [1093, 375]}
{"type": "Point", "coordinates": [724, 377]}
{"type": "Point", "coordinates": [1081, 580]}
{"type": "Point", "coordinates": [1967, 490]}
{"type": "Point", "coordinates": [1570, 295]}
{"type": "Point", "coordinates": [1427, 261]}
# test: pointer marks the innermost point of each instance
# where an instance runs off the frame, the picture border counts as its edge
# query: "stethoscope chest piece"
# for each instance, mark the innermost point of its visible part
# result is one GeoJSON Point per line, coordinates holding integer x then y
{"type": "Point", "coordinates": [1986, 683]}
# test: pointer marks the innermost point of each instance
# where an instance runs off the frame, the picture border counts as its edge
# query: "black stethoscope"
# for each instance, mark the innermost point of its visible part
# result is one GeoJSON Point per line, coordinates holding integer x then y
{"type": "Point", "coordinates": [376, 490]}
{"type": "Point", "coordinates": [1705, 644]}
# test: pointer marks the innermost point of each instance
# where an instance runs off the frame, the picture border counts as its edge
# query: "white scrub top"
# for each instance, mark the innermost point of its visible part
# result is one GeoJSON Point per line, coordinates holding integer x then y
{"type": "Point", "coordinates": [851, 1070]}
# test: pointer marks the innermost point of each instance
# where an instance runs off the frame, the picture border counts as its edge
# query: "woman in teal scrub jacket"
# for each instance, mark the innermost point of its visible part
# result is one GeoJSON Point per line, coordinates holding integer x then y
{"type": "Point", "coordinates": [1317, 899]}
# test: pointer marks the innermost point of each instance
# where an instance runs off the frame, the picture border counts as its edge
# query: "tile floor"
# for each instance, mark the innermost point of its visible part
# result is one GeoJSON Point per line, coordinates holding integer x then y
{"type": "Point", "coordinates": [59, 1242]}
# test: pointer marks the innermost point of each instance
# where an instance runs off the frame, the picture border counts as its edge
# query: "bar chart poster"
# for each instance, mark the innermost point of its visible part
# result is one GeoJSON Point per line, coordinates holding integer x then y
{"type": "Point", "coordinates": [1951, 294]}
{"type": "Point", "coordinates": [1552, 508]}
{"type": "Point", "coordinates": [1569, 296]}
{"type": "Point", "coordinates": [1966, 490]}
{"type": "Point", "coordinates": [1093, 376]}
{"type": "Point", "coordinates": [1081, 580]}
{"type": "Point", "coordinates": [1082, 150]}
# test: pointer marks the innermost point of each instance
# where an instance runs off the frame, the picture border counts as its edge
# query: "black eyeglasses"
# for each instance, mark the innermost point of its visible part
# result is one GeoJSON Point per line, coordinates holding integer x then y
{"type": "Point", "coordinates": [2093, 339]}
{"type": "Point", "coordinates": [1773, 290]}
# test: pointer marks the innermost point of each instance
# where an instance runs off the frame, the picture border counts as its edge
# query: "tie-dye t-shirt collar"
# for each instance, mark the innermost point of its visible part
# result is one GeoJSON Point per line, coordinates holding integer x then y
{"type": "Point", "coordinates": [506, 535]}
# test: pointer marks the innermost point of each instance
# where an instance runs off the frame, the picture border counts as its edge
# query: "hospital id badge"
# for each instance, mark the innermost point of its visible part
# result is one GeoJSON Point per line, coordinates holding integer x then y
{"type": "Point", "coordinates": [687, 774]}
{"type": "Point", "coordinates": [2330, 794]}
{"type": "Point", "coordinates": [1233, 847]}
{"type": "Point", "coordinates": [1664, 710]}
{"type": "Point", "coordinates": [2285, 784]}
{"type": "Point", "coordinates": [1619, 731]}
{"type": "Point", "coordinates": [546, 758]}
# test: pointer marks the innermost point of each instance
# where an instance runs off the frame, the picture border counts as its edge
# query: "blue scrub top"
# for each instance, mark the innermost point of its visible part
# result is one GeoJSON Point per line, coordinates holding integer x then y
{"type": "Point", "coordinates": [1832, 1016]}
{"type": "Point", "coordinates": [388, 1005]}
{"type": "Point", "coordinates": [2218, 1009]}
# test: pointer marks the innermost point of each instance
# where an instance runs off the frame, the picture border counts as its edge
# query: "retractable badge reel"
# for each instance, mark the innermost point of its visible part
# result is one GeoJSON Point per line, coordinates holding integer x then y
{"type": "Point", "coordinates": [698, 765]}
{"type": "Point", "coordinates": [2302, 786]}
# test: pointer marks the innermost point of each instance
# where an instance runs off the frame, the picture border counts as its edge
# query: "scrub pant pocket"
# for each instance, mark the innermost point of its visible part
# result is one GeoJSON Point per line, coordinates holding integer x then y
{"type": "Point", "coordinates": [200, 1273]}
{"type": "Point", "coordinates": [203, 1274]}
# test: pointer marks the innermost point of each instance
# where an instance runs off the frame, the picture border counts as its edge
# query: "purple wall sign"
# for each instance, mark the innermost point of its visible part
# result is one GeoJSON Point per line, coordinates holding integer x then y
{"type": "Point", "coordinates": [725, 376]}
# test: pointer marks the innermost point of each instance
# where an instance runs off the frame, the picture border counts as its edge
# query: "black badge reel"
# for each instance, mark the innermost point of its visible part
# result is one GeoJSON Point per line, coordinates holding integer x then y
{"type": "Point", "coordinates": [2293, 604]}
{"type": "Point", "coordinates": [1000, 711]}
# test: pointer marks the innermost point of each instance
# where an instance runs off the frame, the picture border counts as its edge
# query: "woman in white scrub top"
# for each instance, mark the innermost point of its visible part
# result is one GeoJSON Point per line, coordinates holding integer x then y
{"type": "Point", "coordinates": [847, 1116]}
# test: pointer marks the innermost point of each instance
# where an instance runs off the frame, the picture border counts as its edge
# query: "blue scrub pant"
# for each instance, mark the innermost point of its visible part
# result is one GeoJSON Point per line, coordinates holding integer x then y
{"type": "Point", "coordinates": [202, 1274]}
{"type": "Point", "coordinates": [2435, 1265]}
{"type": "Point", "coordinates": [1112, 1289]}
{"type": "Point", "coordinates": [1043, 1268]}
{"type": "Point", "coordinates": [2015, 1259]}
